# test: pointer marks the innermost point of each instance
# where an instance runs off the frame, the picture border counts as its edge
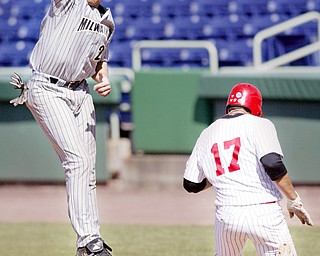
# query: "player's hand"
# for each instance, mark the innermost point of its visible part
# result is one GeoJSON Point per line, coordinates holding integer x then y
{"type": "Point", "coordinates": [17, 82]}
{"type": "Point", "coordinates": [295, 207]}
{"type": "Point", "coordinates": [103, 88]}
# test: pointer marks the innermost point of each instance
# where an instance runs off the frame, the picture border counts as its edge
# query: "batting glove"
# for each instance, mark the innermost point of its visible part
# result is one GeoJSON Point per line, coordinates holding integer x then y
{"type": "Point", "coordinates": [295, 207]}
{"type": "Point", "coordinates": [17, 82]}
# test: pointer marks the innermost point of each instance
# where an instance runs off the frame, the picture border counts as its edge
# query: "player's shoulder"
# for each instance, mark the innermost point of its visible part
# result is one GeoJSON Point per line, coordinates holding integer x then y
{"type": "Point", "coordinates": [261, 123]}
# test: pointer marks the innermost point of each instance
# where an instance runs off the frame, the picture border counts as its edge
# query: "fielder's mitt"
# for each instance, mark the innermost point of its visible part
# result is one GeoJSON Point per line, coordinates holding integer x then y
{"type": "Point", "coordinates": [17, 82]}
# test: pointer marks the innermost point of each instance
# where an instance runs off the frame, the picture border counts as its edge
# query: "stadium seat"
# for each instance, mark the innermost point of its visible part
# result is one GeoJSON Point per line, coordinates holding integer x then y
{"type": "Point", "coordinates": [149, 28]}
{"type": "Point", "coordinates": [290, 43]}
{"type": "Point", "coordinates": [195, 57]}
{"type": "Point", "coordinates": [29, 30]}
{"type": "Point", "coordinates": [15, 53]}
{"type": "Point", "coordinates": [256, 23]}
{"type": "Point", "coordinates": [120, 54]}
{"type": "Point", "coordinates": [124, 28]}
{"type": "Point", "coordinates": [9, 28]}
{"type": "Point", "coordinates": [309, 29]}
{"type": "Point", "coordinates": [6, 59]}
{"type": "Point", "coordinates": [23, 51]}
{"type": "Point", "coordinates": [224, 27]}
{"type": "Point", "coordinates": [5, 7]}
{"type": "Point", "coordinates": [212, 8]}
{"type": "Point", "coordinates": [313, 5]}
{"type": "Point", "coordinates": [235, 52]}
{"type": "Point", "coordinates": [249, 7]}
{"type": "Point", "coordinates": [26, 9]}
{"type": "Point", "coordinates": [169, 8]}
{"type": "Point", "coordinates": [132, 9]}
{"type": "Point", "coordinates": [294, 8]}
{"type": "Point", "coordinates": [187, 27]}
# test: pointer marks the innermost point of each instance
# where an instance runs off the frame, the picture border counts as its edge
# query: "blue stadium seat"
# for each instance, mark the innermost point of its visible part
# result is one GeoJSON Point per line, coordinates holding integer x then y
{"type": "Point", "coordinates": [195, 56]}
{"type": "Point", "coordinates": [292, 8]}
{"type": "Point", "coordinates": [225, 27]}
{"type": "Point", "coordinates": [6, 55]}
{"type": "Point", "coordinates": [187, 27]}
{"type": "Point", "coordinates": [124, 28]}
{"type": "Point", "coordinates": [23, 50]}
{"type": "Point", "coordinates": [153, 56]}
{"type": "Point", "coordinates": [256, 23]}
{"type": "Point", "coordinates": [120, 54]}
{"type": "Point", "coordinates": [313, 5]}
{"type": "Point", "coordinates": [169, 8]}
{"type": "Point", "coordinates": [212, 8]}
{"type": "Point", "coordinates": [149, 28]}
{"type": "Point", "coordinates": [132, 9]}
{"type": "Point", "coordinates": [29, 30]}
{"type": "Point", "coordinates": [289, 43]}
{"type": "Point", "coordinates": [309, 29]}
{"type": "Point", "coordinates": [14, 54]}
{"type": "Point", "coordinates": [235, 52]}
{"type": "Point", "coordinates": [109, 3]}
{"type": "Point", "coordinates": [9, 28]}
{"type": "Point", "coordinates": [249, 7]}
{"type": "Point", "coordinates": [5, 8]}
{"type": "Point", "coordinates": [26, 9]}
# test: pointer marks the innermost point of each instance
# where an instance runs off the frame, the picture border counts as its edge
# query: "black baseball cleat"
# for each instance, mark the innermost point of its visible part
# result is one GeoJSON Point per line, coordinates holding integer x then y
{"type": "Point", "coordinates": [96, 247]}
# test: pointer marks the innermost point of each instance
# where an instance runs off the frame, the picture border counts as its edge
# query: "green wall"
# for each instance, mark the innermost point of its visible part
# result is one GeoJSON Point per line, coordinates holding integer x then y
{"type": "Point", "coordinates": [172, 107]}
{"type": "Point", "coordinates": [25, 152]}
{"type": "Point", "coordinates": [163, 111]}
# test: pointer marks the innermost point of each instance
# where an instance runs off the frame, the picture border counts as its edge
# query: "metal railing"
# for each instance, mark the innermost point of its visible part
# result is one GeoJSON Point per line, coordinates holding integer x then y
{"type": "Point", "coordinates": [209, 46]}
{"type": "Point", "coordinates": [290, 56]}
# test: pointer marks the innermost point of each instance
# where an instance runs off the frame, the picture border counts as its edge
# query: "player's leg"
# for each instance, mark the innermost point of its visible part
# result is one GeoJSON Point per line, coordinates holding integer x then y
{"type": "Point", "coordinates": [53, 109]}
{"type": "Point", "coordinates": [229, 238]}
{"type": "Point", "coordinates": [86, 121]}
{"type": "Point", "coordinates": [269, 231]}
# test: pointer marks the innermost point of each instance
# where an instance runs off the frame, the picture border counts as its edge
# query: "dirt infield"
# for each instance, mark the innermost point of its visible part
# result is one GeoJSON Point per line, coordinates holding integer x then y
{"type": "Point", "coordinates": [128, 206]}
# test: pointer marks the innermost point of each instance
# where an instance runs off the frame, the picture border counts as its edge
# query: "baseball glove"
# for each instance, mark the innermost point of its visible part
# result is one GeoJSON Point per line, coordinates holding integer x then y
{"type": "Point", "coordinates": [17, 82]}
{"type": "Point", "coordinates": [295, 207]}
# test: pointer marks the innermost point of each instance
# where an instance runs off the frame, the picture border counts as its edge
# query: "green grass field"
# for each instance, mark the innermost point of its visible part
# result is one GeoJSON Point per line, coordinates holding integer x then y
{"type": "Point", "coordinates": [58, 239]}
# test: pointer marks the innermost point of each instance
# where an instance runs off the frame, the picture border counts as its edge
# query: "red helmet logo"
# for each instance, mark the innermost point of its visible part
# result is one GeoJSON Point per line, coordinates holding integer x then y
{"type": "Point", "coordinates": [247, 96]}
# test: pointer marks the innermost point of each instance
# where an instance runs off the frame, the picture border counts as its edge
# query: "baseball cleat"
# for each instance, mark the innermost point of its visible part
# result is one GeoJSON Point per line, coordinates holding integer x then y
{"type": "Point", "coordinates": [96, 247]}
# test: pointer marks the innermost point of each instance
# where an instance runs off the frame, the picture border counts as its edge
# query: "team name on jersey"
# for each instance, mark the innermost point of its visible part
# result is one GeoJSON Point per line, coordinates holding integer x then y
{"type": "Point", "coordinates": [91, 25]}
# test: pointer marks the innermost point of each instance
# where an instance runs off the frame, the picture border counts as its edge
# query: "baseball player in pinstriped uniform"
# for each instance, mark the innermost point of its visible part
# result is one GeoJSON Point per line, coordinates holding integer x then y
{"type": "Point", "coordinates": [240, 155]}
{"type": "Point", "coordinates": [73, 46]}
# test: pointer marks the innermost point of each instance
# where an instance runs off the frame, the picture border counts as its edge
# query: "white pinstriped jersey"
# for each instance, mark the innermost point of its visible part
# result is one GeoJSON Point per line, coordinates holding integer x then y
{"type": "Point", "coordinates": [85, 40]}
{"type": "Point", "coordinates": [228, 154]}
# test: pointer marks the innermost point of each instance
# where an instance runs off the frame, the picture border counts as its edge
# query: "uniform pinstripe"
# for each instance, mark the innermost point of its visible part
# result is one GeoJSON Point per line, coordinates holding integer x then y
{"type": "Point", "coordinates": [73, 39]}
{"type": "Point", "coordinates": [227, 153]}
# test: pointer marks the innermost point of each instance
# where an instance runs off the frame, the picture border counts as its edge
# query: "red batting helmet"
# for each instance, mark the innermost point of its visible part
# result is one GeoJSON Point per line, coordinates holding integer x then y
{"type": "Point", "coordinates": [247, 96]}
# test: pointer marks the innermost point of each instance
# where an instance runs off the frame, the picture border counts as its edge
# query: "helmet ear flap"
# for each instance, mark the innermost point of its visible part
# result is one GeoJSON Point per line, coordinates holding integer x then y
{"type": "Point", "coordinates": [247, 96]}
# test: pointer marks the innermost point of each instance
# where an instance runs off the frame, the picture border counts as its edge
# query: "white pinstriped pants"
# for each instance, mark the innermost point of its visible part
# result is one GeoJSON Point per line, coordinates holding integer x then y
{"type": "Point", "coordinates": [68, 120]}
{"type": "Point", "coordinates": [264, 224]}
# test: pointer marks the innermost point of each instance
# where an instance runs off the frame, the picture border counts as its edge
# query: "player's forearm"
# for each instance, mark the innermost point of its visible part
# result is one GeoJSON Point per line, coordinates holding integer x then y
{"type": "Point", "coordinates": [286, 186]}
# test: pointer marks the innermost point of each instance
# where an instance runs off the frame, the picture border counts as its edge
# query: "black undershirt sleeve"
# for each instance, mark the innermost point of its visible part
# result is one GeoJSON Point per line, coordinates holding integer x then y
{"type": "Point", "coordinates": [193, 187]}
{"type": "Point", "coordinates": [273, 166]}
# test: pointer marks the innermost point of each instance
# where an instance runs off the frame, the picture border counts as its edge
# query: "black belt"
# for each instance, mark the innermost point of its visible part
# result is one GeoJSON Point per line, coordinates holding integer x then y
{"type": "Point", "coordinates": [70, 85]}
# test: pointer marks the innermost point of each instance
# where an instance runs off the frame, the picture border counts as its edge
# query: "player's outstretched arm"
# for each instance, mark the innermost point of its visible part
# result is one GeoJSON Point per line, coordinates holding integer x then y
{"type": "Point", "coordinates": [294, 203]}
{"type": "Point", "coordinates": [101, 76]}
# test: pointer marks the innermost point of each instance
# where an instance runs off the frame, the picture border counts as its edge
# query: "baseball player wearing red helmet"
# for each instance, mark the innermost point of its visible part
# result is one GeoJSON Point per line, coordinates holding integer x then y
{"type": "Point", "coordinates": [240, 155]}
